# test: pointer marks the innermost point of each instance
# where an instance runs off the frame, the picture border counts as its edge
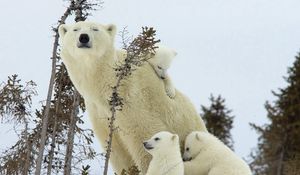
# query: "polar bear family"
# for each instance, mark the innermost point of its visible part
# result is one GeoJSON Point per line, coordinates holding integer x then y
{"type": "Point", "coordinates": [87, 50]}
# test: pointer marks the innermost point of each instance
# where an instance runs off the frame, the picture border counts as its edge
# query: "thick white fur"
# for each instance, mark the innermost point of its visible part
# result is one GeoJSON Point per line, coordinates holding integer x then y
{"type": "Point", "coordinates": [209, 156]}
{"type": "Point", "coordinates": [166, 157]}
{"type": "Point", "coordinates": [146, 111]}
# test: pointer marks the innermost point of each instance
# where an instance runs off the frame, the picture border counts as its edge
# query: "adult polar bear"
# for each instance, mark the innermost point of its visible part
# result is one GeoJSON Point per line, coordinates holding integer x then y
{"type": "Point", "coordinates": [89, 55]}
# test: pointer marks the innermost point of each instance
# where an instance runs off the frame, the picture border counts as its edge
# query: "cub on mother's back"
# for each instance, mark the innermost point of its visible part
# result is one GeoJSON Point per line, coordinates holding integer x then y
{"type": "Point", "coordinates": [205, 154]}
{"type": "Point", "coordinates": [160, 62]}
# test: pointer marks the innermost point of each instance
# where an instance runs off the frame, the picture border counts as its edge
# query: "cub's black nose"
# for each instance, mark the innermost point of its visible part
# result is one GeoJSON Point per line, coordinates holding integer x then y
{"type": "Point", "coordinates": [84, 38]}
{"type": "Point", "coordinates": [145, 143]}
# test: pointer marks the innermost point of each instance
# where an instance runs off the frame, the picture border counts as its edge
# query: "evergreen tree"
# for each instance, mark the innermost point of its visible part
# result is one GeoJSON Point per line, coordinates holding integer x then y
{"type": "Point", "coordinates": [278, 149]}
{"type": "Point", "coordinates": [218, 120]}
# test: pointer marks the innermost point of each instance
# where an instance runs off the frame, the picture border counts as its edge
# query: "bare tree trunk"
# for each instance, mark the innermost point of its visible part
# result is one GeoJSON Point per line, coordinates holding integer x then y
{"type": "Point", "coordinates": [281, 157]}
{"type": "Point", "coordinates": [28, 149]}
{"type": "Point", "coordinates": [51, 152]}
{"type": "Point", "coordinates": [47, 109]}
{"type": "Point", "coordinates": [280, 163]}
{"type": "Point", "coordinates": [43, 136]}
{"type": "Point", "coordinates": [71, 134]}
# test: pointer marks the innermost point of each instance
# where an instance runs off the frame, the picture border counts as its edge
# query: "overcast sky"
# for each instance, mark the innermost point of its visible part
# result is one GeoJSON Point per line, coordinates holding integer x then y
{"type": "Point", "coordinates": [239, 49]}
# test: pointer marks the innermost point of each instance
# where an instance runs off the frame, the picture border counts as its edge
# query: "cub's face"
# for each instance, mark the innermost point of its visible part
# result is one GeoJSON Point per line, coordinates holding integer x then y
{"type": "Point", "coordinates": [86, 39]}
{"type": "Point", "coordinates": [161, 142]}
{"type": "Point", "coordinates": [193, 146]}
{"type": "Point", "coordinates": [162, 60]}
{"type": "Point", "coordinates": [160, 71]}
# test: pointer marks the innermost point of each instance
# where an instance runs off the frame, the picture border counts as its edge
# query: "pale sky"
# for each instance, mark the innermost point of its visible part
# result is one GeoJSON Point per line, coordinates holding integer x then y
{"type": "Point", "coordinates": [239, 49]}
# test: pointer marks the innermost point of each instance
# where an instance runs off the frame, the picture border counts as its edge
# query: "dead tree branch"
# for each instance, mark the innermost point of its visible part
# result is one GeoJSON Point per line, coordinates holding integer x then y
{"type": "Point", "coordinates": [138, 51]}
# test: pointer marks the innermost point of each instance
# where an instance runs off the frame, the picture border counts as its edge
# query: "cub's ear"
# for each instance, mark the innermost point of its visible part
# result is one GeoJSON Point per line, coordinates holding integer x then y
{"type": "Point", "coordinates": [111, 29]}
{"type": "Point", "coordinates": [174, 137]}
{"type": "Point", "coordinates": [197, 137]}
{"type": "Point", "coordinates": [62, 30]}
{"type": "Point", "coordinates": [174, 52]}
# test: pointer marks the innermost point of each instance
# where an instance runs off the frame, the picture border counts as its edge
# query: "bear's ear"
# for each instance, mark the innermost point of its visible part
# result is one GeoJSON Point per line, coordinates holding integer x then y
{"type": "Point", "coordinates": [174, 137]}
{"type": "Point", "coordinates": [111, 29]}
{"type": "Point", "coordinates": [62, 30]}
{"type": "Point", "coordinates": [197, 137]}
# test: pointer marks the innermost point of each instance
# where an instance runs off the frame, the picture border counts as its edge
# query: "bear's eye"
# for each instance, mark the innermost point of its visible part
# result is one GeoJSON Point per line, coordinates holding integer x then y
{"type": "Point", "coordinates": [157, 139]}
{"type": "Point", "coordinates": [75, 30]}
{"type": "Point", "coordinates": [95, 29]}
{"type": "Point", "coordinates": [159, 67]}
{"type": "Point", "coordinates": [187, 149]}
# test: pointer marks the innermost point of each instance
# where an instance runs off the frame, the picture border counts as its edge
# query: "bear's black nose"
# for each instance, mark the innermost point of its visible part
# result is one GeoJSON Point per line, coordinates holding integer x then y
{"type": "Point", "coordinates": [84, 38]}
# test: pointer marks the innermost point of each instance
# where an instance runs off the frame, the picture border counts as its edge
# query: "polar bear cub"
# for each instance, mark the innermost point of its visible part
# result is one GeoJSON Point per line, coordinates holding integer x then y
{"type": "Point", "coordinates": [166, 157]}
{"type": "Point", "coordinates": [204, 154]}
{"type": "Point", "coordinates": [161, 62]}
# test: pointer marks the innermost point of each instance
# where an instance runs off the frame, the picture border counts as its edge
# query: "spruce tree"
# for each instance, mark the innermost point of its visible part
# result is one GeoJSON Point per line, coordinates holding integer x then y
{"type": "Point", "coordinates": [278, 149]}
{"type": "Point", "coordinates": [218, 120]}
